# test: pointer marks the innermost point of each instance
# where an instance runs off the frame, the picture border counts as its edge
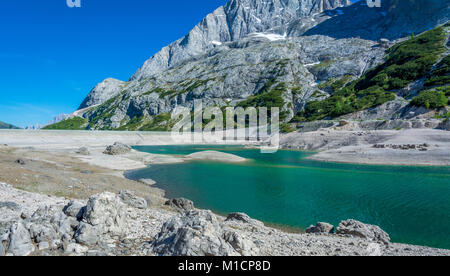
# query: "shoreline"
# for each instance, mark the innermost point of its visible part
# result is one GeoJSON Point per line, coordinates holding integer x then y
{"type": "Point", "coordinates": [59, 163]}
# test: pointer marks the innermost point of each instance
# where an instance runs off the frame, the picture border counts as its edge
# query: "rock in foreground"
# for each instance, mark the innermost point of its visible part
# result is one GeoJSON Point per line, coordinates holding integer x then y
{"type": "Point", "coordinates": [199, 233]}
{"type": "Point", "coordinates": [366, 231]}
{"type": "Point", "coordinates": [181, 204]}
{"type": "Point", "coordinates": [321, 227]}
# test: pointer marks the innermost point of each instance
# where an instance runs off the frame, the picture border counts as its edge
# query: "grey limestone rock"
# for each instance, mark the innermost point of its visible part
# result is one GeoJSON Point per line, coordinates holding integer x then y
{"type": "Point", "coordinates": [197, 233]}
{"type": "Point", "coordinates": [366, 231]}
{"type": "Point", "coordinates": [105, 216]}
{"type": "Point", "coordinates": [103, 92]}
{"type": "Point", "coordinates": [19, 240]}
{"type": "Point", "coordinates": [10, 205]}
{"type": "Point", "coordinates": [117, 149]}
{"type": "Point", "coordinates": [180, 204]}
{"type": "Point", "coordinates": [243, 218]}
{"type": "Point", "coordinates": [83, 151]}
{"type": "Point", "coordinates": [321, 227]}
{"type": "Point", "coordinates": [75, 209]}
{"type": "Point", "coordinates": [132, 200]}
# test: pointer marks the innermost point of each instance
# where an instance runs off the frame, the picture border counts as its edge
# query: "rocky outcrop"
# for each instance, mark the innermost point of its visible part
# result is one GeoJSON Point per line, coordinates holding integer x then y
{"type": "Point", "coordinates": [75, 209]}
{"type": "Point", "coordinates": [180, 204]}
{"type": "Point", "coordinates": [243, 218]}
{"type": "Point", "coordinates": [321, 228]}
{"type": "Point", "coordinates": [393, 20]}
{"type": "Point", "coordinates": [52, 230]}
{"type": "Point", "coordinates": [130, 199]}
{"type": "Point", "coordinates": [241, 69]}
{"type": "Point", "coordinates": [445, 125]}
{"type": "Point", "coordinates": [199, 233]}
{"type": "Point", "coordinates": [102, 92]}
{"type": "Point", "coordinates": [20, 161]}
{"type": "Point", "coordinates": [117, 149]}
{"type": "Point", "coordinates": [105, 215]}
{"type": "Point", "coordinates": [83, 151]}
{"type": "Point", "coordinates": [366, 231]}
{"type": "Point", "coordinates": [247, 47]}
{"type": "Point", "coordinates": [234, 21]}
{"type": "Point", "coordinates": [19, 240]}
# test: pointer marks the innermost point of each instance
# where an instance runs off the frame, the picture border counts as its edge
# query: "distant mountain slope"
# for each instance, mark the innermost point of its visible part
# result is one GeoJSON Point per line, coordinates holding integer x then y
{"type": "Point", "coordinates": [7, 126]}
{"type": "Point", "coordinates": [295, 52]}
{"type": "Point", "coordinates": [395, 19]}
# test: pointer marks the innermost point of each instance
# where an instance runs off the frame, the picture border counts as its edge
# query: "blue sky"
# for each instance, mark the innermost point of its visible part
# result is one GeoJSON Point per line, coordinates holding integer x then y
{"type": "Point", "coordinates": [51, 56]}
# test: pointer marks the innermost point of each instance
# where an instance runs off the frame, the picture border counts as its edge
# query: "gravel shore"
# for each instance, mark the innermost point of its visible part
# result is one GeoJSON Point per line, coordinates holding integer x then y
{"type": "Point", "coordinates": [56, 171]}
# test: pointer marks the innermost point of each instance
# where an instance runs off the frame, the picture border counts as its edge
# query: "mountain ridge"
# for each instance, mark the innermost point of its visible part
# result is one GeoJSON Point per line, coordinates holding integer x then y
{"type": "Point", "coordinates": [7, 126]}
{"type": "Point", "coordinates": [295, 57]}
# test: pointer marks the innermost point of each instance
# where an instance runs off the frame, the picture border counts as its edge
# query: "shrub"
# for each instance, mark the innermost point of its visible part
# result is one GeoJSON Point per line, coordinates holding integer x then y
{"type": "Point", "coordinates": [430, 99]}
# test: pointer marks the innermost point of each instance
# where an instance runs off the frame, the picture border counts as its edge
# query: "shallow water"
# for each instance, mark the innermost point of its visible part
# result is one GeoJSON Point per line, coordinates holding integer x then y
{"type": "Point", "coordinates": [412, 204]}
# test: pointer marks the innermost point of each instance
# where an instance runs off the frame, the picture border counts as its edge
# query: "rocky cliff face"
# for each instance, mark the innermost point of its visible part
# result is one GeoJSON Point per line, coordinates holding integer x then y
{"type": "Point", "coordinates": [250, 47]}
{"type": "Point", "coordinates": [236, 20]}
{"type": "Point", "coordinates": [103, 92]}
{"type": "Point", "coordinates": [393, 20]}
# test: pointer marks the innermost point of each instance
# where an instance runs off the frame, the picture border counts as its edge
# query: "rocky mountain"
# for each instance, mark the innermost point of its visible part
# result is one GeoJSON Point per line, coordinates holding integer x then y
{"type": "Point", "coordinates": [234, 21]}
{"type": "Point", "coordinates": [291, 52]}
{"type": "Point", "coordinates": [59, 118]}
{"type": "Point", "coordinates": [7, 126]}
{"type": "Point", "coordinates": [393, 20]}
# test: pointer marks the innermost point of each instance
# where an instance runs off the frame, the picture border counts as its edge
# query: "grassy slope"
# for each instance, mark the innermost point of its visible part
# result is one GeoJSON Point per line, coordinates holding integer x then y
{"type": "Point", "coordinates": [75, 123]}
{"type": "Point", "coordinates": [405, 62]}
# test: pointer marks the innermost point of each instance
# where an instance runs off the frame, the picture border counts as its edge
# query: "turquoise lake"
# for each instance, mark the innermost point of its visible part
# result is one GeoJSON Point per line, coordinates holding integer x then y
{"type": "Point", "coordinates": [412, 204]}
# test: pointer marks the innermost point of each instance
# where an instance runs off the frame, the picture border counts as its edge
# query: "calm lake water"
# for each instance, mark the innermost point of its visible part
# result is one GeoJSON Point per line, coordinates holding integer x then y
{"type": "Point", "coordinates": [412, 204]}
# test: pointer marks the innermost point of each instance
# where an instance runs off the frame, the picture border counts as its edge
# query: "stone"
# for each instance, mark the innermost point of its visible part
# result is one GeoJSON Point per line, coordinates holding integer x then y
{"type": "Point", "coordinates": [10, 205]}
{"type": "Point", "coordinates": [20, 241]}
{"type": "Point", "coordinates": [132, 200]}
{"type": "Point", "coordinates": [181, 204]}
{"type": "Point", "coordinates": [43, 245]}
{"type": "Point", "coordinates": [105, 214]}
{"type": "Point", "coordinates": [198, 233]}
{"type": "Point", "coordinates": [385, 43]}
{"type": "Point", "coordinates": [117, 149]}
{"type": "Point", "coordinates": [74, 248]}
{"type": "Point", "coordinates": [243, 246]}
{"type": "Point", "coordinates": [83, 151]}
{"type": "Point", "coordinates": [343, 123]}
{"type": "Point", "coordinates": [20, 161]}
{"type": "Point", "coordinates": [243, 218]}
{"type": "Point", "coordinates": [42, 232]}
{"type": "Point", "coordinates": [445, 125]}
{"type": "Point", "coordinates": [321, 227]}
{"type": "Point", "coordinates": [87, 234]}
{"type": "Point", "coordinates": [147, 181]}
{"type": "Point", "coordinates": [366, 231]}
{"type": "Point", "coordinates": [74, 209]}
{"type": "Point", "coordinates": [2, 249]}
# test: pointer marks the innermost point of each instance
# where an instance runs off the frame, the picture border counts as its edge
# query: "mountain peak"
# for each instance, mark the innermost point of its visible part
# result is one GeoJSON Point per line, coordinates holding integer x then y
{"type": "Point", "coordinates": [235, 20]}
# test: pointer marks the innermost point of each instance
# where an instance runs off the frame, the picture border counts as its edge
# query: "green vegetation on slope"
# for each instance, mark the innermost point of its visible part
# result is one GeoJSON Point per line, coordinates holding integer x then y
{"type": "Point", "coordinates": [105, 111]}
{"type": "Point", "coordinates": [407, 61]}
{"type": "Point", "coordinates": [441, 74]}
{"type": "Point", "coordinates": [269, 97]}
{"type": "Point", "coordinates": [161, 122]}
{"type": "Point", "coordinates": [432, 98]}
{"type": "Point", "coordinates": [76, 123]}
